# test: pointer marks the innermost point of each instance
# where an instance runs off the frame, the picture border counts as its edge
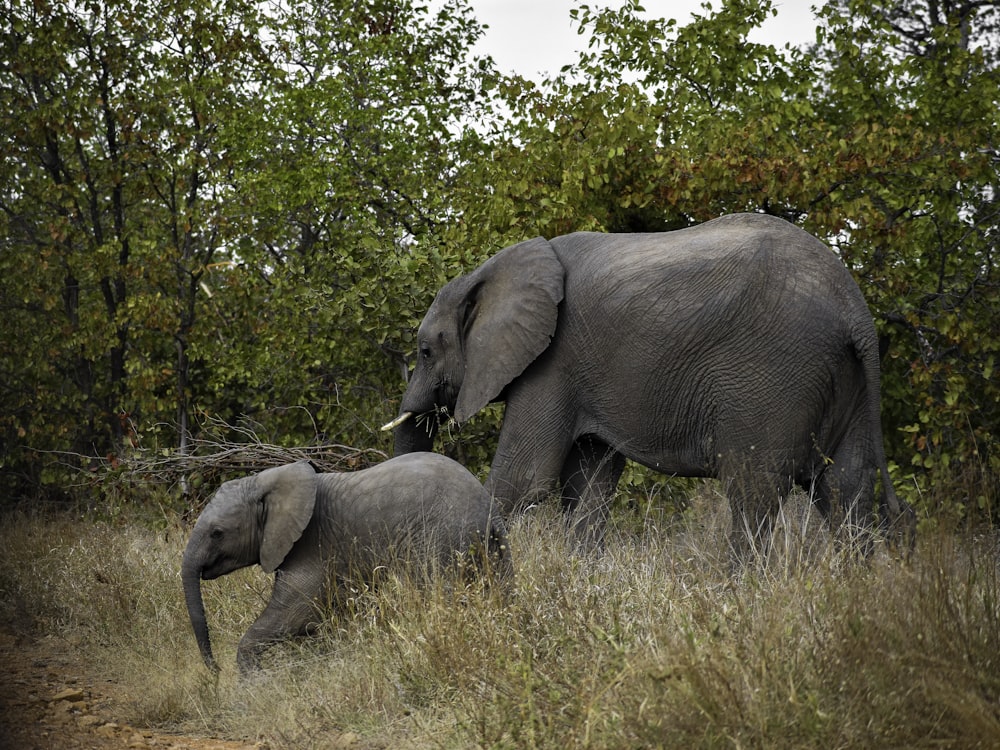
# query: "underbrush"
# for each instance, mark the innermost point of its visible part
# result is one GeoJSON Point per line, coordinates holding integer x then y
{"type": "Point", "coordinates": [654, 643]}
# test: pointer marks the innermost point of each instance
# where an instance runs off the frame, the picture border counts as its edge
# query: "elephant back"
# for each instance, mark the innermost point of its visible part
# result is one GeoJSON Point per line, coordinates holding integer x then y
{"type": "Point", "coordinates": [421, 506]}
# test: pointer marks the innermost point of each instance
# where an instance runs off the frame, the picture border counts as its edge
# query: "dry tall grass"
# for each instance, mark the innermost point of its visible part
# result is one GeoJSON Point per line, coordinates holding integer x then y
{"type": "Point", "coordinates": [652, 644]}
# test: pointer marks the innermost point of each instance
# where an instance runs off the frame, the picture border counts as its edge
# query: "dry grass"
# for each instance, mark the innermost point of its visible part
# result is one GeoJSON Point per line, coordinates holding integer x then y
{"type": "Point", "coordinates": [652, 644]}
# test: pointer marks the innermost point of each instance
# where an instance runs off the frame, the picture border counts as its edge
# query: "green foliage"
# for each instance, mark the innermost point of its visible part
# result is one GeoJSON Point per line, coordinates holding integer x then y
{"type": "Point", "coordinates": [229, 210]}
{"type": "Point", "coordinates": [920, 224]}
{"type": "Point", "coordinates": [217, 210]}
{"type": "Point", "coordinates": [112, 180]}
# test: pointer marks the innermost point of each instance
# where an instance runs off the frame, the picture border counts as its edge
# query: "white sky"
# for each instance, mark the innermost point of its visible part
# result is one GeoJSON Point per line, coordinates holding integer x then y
{"type": "Point", "coordinates": [534, 36]}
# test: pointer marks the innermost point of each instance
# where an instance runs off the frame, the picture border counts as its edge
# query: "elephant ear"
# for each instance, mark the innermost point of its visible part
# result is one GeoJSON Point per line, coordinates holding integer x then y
{"type": "Point", "coordinates": [289, 497]}
{"type": "Point", "coordinates": [508, 318]}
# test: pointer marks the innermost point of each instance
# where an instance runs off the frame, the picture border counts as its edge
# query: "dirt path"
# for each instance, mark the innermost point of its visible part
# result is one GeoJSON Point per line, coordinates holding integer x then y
{"type": "Point", "coordinates": [48, 699]}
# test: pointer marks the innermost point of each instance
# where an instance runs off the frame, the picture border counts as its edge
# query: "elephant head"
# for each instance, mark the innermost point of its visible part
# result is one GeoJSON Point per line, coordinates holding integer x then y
{"type": "Point", "coordinates": [482, 330]}
{"type": "Point", "coordinates": [251, 520]}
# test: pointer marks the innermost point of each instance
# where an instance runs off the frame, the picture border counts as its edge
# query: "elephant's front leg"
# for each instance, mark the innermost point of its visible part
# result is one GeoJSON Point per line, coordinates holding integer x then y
{"type": "Point", "coordinates": [589, 477]}
{"type": "Point", "coordinates": [527, 464]}
{"type": "Point", "coordinates": [294, 606]}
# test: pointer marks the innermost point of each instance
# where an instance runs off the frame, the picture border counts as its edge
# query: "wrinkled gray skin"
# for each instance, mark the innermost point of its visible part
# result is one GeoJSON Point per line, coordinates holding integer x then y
{"type": "Point", "coordinates": [320, 533]}
{"type": "Point", "coordinates": [740, 349]}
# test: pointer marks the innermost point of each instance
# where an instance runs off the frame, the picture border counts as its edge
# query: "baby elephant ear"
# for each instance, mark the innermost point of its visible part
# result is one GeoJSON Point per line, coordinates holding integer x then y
{"type": "Point", "coordinates": [289, 497]}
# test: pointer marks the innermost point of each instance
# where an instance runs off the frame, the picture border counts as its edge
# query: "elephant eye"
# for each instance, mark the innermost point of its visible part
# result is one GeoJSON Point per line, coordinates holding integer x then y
{"type": "Point", "coordinates": [425, 352]}
{"type": "Point", "coordinates": [216, 534]}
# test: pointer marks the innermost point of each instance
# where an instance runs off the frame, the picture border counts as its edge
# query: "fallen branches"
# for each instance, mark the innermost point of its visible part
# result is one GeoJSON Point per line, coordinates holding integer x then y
{"type": "Point", "coordinates": [222, 451]}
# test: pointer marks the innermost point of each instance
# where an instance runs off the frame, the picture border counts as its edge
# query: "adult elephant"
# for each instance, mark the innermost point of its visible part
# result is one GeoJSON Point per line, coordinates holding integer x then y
{"type": "Point", "coordinates": [740, 349]}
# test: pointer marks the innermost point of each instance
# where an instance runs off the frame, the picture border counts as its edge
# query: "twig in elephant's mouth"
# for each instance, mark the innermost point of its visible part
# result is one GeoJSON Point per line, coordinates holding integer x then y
{"type": "Point", "coordinates": [433, 418]}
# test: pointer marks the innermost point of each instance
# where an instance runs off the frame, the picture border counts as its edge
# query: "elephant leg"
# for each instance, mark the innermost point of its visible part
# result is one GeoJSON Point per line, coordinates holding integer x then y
{"type": "Point", "coordinates": [525, 471]}
{"type": "Point", "coordinates": [589, 477]}
{"type": "Point", "coordinates": [754, 496]}
{"type": "Point", "coordinates": [292, 610]}
{"type": "Point", "coordinates": [845, 492]}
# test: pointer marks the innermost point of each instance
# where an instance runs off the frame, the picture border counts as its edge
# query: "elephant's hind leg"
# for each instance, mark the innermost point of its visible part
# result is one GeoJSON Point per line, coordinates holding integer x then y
{"type": "Point", "coordinates": [589, 477]}
{"type": "Point", "coordinates": [845, 492]}
{"type": "Point", "coordinates": [754, 496]}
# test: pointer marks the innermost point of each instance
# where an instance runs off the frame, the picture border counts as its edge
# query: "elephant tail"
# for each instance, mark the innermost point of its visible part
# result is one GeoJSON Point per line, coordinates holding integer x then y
{"type": "Point", "coordinates": [896, 516]}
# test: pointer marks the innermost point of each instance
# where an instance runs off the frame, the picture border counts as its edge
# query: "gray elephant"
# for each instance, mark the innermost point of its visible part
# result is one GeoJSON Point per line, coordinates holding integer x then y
{"type": "Point", "coordinates": [740, 349]}
{"type": "Point", "coordinates": [322, 533]}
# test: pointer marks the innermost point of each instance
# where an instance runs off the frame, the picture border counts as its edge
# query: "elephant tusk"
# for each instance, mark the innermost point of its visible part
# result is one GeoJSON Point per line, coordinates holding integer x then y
{"type": "Point", "coordinates": [397, 421]}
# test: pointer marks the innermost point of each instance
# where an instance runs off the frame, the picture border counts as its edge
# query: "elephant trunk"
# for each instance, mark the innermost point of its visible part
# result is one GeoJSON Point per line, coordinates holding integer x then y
{"type": "Point", "coordinates": [191, 577]}
{"type": "Point", "coordinates": [415, 434]}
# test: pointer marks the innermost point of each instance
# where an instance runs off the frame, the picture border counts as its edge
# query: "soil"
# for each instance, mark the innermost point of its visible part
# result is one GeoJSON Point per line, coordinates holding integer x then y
{"type": "Point", "coordinates": [50, 699]}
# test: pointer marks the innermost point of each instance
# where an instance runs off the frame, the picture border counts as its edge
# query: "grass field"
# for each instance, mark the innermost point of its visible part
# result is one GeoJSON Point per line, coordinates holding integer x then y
{"type": "Point", "coordinates": [652, 644]}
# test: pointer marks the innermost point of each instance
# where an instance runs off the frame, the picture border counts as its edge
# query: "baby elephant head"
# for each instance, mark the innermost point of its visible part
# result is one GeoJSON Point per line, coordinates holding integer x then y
{"type": "Point", "coordinates": [256, 519]}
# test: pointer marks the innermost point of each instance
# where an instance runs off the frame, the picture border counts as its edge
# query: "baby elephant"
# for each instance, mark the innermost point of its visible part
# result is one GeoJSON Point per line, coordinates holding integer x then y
{"type": "Point", "coordinates": [319, 533]}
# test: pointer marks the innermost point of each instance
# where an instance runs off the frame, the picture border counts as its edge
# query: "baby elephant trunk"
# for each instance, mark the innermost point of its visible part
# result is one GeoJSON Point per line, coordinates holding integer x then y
{"type": "Point", "coordinates": [191, 577]}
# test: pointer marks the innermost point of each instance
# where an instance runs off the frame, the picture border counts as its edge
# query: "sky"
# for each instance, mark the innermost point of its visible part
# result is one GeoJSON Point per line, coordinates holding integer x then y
{"type": "Point", "coordinates": [534, 36]}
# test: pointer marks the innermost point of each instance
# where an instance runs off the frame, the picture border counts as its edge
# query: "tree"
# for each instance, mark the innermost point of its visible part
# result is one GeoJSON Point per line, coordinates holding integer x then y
{"type": "Point", "coordinates": [209, 208]}
{"type": "Point", "coordinates": [239, 209]}
{"type": "Point", "coordinates": [345, 181]}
